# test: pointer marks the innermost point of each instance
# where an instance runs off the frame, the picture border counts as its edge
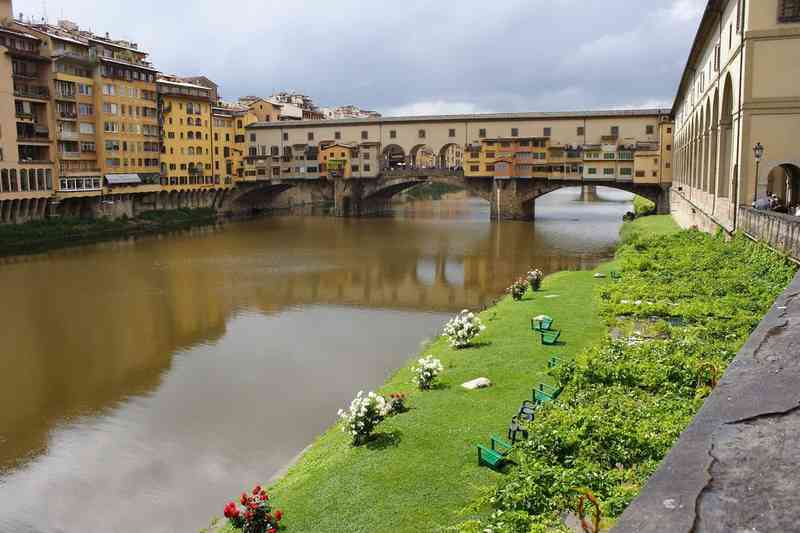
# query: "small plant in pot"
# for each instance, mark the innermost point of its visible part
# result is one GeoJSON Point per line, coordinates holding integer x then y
{"type": "Point", "coordinates": [397, 403]}
{"type": "Point", "coordinates": [255, 514]}
{"type": "Point", "coordinates": [517, 289]}
{"type": "Point", "coordinates": [535, 277]}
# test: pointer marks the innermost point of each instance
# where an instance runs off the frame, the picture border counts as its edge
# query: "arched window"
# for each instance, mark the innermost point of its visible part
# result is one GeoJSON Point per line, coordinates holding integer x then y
{"type": "Point", "coordinates": [191, 150]}
{"type": "Point", "coordinates": [4, 181]}
{"type": "Point", "coordinates": [13, 180]}
{"type": "Point", "coordinates": [40, 178]}
{"type": "Point", "coordinates": [23, 180]}
{"type": "Point", "coordinates": [190, 135]}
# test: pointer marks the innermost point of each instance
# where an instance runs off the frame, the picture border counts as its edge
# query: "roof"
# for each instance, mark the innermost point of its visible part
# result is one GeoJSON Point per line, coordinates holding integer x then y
{"type": "Point", "coordinates": [128, 64]}
{"type": "Point", "coordinates": [19, 34]}
{"type": "Point", "coordinates": [182, 84]}
{"type": "Point", "coordinates": [463, 118]}
{"type": "Point", "coordinates": [712, 11]}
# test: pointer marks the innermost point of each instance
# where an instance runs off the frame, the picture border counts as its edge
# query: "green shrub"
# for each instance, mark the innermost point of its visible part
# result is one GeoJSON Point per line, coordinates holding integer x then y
{"type": "Point", "coordinates": [691, 301]}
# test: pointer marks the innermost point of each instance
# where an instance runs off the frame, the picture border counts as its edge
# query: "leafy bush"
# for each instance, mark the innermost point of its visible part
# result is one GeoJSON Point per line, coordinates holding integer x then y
{"type": "Point", "coordinates": [254, 515]}
{"type": "Point", "coordinates": [462, 329]}
{"type": "Point", "coordinates": [535, 277]}
{"type": "Point", "coordinates": [426, 373]}
{"type": "Point", "coordinates": [643, 207]}
{"type": "Point", "coordinates": [364, 413]}
{"type": "Point", "coordinates": [517, 289]}
{"type": "Point", "coordinates": [397, 403]}
{"type": "Point", "coordinates": [691, 301]}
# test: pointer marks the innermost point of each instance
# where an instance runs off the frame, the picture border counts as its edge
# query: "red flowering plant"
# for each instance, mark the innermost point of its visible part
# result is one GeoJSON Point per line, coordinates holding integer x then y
{"type": "Point", "coordinates": [253, 513]}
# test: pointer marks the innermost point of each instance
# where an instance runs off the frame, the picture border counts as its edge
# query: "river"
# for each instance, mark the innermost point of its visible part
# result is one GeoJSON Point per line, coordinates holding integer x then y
{"type": "Point", "coordinates": [147, 381]}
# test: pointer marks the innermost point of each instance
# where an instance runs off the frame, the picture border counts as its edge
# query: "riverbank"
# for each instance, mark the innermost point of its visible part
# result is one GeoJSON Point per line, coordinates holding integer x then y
{"type": "Point", "coordinates": [42, 235]}
{"type": "Point", "coordinates": [420, 471]}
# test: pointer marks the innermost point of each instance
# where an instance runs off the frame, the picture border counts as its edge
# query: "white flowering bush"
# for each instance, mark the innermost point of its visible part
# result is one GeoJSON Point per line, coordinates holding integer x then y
{"type": "Point", "coordinates": [426, 372]}
{"type": "Point", "coordinates": [535, 277]}
{"type": "Point", "coordinates": [365, 412]}
{"type": "Point", "coordinates": [462, 329]}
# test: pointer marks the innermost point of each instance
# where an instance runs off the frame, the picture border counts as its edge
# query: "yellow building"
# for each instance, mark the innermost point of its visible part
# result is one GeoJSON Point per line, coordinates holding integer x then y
{"type": "Point", "coordinates": [336, 160]}
{"type": "Point", "coordinates": [187, 148]}
{"type": "Point", "coordinates": [230, 142]}
{"type": "Point", "coordinates": [26, 147]}
{"type": "Point", "coordinates": [127, 117]}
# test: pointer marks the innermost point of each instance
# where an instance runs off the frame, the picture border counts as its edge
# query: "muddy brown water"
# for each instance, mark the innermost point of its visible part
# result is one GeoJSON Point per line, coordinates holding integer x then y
{"type": "Point", "coordinates": [147, 381]}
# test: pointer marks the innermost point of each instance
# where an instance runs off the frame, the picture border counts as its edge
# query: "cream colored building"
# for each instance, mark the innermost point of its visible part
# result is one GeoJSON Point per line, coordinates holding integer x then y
{"type": "Point", "coordinates": [741, 87]}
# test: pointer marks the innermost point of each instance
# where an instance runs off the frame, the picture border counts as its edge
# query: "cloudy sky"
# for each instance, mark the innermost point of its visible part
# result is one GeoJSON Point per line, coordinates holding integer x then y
{"type": "Point", "coordinates": [414, 56]}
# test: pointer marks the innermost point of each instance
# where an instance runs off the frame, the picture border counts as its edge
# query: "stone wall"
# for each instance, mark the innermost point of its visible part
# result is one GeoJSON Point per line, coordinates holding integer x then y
{"type": "Point", "coordinates": [781, 232]}
{"type": "Point", "coordinates": [735, 468]}
{"type": "Point", "coordinates": [688, 215]}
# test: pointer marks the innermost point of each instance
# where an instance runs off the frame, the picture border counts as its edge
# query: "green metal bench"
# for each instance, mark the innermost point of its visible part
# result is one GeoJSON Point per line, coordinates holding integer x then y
{"type": "Point", "coordinates": [544, 393]}
{"type": "Point", "coordinates": [491, 458]}
{"type": "Point", "coordinates": [549, 338]}
{"type": "Point", "coordinates": [554, 362]}
{"type": "Point", "coordinates": [541, 323]}
{"type": "Point", "coordinates": [500, 445]}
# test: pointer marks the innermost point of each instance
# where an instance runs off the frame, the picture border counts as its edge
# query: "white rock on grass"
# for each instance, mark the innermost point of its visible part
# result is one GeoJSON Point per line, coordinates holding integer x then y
{"type": "Point", "coordinates": [599, 275]}
{"type": "Point", "coordinates": [480, 383]}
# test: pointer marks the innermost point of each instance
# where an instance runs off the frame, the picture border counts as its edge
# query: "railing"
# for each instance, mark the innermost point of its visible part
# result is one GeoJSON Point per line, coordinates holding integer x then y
{"type": "Point", "coordinates": [780, 231]}
{"type": "Point", "coordinates": [414, 172]}
{"type": "Point", "coordinates": [68, 115]}
{"type": "Point", "coordinates": [28, 137]}
{"type": "Point", "coordinates": [24, 115]}
{"type": "Point", "coordinates": [66, 154]}
{"type": "Point", "coordinates": [65, 96]}
{"type": "Point", "coordinates": [32, 92]}
{"type": "Point", "coordinates": [68, 135]}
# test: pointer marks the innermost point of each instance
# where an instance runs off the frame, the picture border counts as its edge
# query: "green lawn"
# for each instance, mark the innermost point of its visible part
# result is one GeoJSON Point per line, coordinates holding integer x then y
{"type": "Point", "coordinates": [421, 468]}
{"type": "Point", "coordinates": [649, 226]}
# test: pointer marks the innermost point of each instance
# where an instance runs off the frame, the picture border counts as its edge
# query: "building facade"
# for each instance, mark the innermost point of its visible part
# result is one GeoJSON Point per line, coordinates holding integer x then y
{"type": "Point", "coordinates": [739, 90]}
{"type": "Point", "coordinates": [580, 146]}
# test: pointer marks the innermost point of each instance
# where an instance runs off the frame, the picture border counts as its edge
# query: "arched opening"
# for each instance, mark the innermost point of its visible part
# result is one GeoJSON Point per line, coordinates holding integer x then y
{"type": "Point", "coordinates": [725, 140]}
{"type": "Point", "coordinates": [451, 156]}
{"type": "Point", "coordinates": [393, 157]}
{"type": "Point", "coordinates": [784, 182]}
{"type": "Point", "coordinates": [423, 156]}
{"type": "Point", "coordinates": [714, 145]}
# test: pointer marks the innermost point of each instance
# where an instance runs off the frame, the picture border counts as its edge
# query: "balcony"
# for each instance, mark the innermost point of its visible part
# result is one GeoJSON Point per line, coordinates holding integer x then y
{"type": "Point", "coordinates": [36, 134]}
{"type": "Point", "coordinates": [69, 135]}
{"type": "Point", "coordinates": [65, 96]}
{"type": "Point", "coordinates": [24, 115]}
{"type": "Point", "coordinates": [32, 91]}
{"type": "Point", "coordinates": [69, 155]}
{"type": "Point", "coordinates": [67, 115]}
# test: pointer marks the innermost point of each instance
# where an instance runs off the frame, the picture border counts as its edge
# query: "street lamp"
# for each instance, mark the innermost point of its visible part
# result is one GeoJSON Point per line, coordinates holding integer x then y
{"type": "Point", "coordinates": [758, 152]}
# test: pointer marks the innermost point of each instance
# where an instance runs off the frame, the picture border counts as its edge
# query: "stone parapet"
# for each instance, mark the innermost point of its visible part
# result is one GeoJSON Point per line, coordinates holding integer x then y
{"type": "Point", "coordinates": [781, 232]}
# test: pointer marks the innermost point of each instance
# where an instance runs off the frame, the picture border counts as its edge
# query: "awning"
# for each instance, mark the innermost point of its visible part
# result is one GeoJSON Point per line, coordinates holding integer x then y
{"type": "Point", "coordinates": [123, 179]}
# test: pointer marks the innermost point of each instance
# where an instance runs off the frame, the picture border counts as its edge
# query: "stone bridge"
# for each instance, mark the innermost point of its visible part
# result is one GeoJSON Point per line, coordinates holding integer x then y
{"type": "Point", "coordinates": [510, 198]}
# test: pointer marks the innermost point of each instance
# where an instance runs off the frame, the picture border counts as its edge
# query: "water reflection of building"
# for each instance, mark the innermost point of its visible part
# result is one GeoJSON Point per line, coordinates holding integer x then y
{"type": "Point", "coordinates": [94, 325]}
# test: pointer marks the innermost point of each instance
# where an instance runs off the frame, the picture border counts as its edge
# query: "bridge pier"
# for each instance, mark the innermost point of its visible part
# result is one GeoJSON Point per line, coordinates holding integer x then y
{"type": "Point", "coordinates": [662, 201]}
{"type": "Point", "coordinates": [508, 200]}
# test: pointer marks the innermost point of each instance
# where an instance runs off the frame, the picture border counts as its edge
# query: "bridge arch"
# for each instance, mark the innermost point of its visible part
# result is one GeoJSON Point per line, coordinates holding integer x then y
{"type": "Point", "coordinates": [393, 156]}
{"type": "Point", "coordinates": [451, 156]}
{"type": "Point", "coordinates": [423, 156]}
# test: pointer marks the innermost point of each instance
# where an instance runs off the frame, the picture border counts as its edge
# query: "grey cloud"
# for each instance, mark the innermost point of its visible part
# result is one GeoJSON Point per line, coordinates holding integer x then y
{"type": "Point", "coordinates": [502, 56]}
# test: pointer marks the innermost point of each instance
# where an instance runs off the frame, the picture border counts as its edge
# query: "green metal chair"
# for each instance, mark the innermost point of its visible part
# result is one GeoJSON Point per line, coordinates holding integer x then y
{"type": "Point", "coordinates": [549, 338]}
{"type": "Point", "coordinates": [541, 323]}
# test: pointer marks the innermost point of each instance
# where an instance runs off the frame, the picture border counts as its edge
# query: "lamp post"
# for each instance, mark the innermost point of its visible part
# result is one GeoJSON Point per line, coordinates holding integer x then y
{"type": "Point", "coordinates": [758, 152]}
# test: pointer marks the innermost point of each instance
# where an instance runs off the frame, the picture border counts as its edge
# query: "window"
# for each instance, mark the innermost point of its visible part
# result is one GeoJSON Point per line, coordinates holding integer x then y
{"type": "Point", "coordinates": [421, 134]}
{"type": "Point", "coordinates": [310, 136]}
{"type": "Point", "coordinates": [669, 148]}
{"type": "Point", "coordinates": [474, 168]}
{"type": "Point", "coordinates": [669, 130]}
{"type": "Point", "coordinates": [592, 170]}
{"type": "Point", "coordinates": [337, 135]}
{"type": "Point", "coordinates": [86, 128]}
{"type": "Point", "coordinates": [581, 131]}
{"type": "Point", "coordinates": [625, 171]}
{"type": "Point", "coordinates": [547, 132]}
{"type": "Point", "coordinates": [608, 171]}
{"type": "Point", "coordinates": [489, 168]}
{"type": "Point", "coordinates": [392, 134]}
{"type": "Point", "coordinates": [285, 136]}
{"type": "Point", "coordinates": [650, 130]}
{"type": "Point", "coordinates": [482, 133]}
{"type": "Point", "coordinates": [668, 164]}
{"type": "Point", "coordinates": [366, 168]}
{"type": "Point", "coordinates": [608, 155]}
{"type": "Point", "coordinates": [515, 132]}
{"type": "Point", "coordinates": [85, 110]}
{"type": "Point", "coordinates": [490, 155]}
{"type": "Point", "coordinates": [640, 173]}
{"type": "Point", "coordinates": [451, 132]}
{"type": "Point", "coordinates": [789, 11]}
{"type": "Point", "coordinates": [365, 135]}
{"type": "Point", "coordinates": [615, 131]}
{"type": "Point", "coordinates": [252, 137]}
{"type": "Point", "coordinates": [355, 168]}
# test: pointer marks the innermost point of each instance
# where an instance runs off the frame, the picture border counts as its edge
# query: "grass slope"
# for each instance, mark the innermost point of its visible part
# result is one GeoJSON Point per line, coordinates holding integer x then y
{"type": "Point", "coordinates": [650, 226]}
{"type": "Point", "coordinates": [421, 468]}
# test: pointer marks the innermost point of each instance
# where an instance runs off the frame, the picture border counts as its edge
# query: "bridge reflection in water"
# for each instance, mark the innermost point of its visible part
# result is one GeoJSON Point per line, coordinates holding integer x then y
{"type": "Point", "coordinates": [130, 369]}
